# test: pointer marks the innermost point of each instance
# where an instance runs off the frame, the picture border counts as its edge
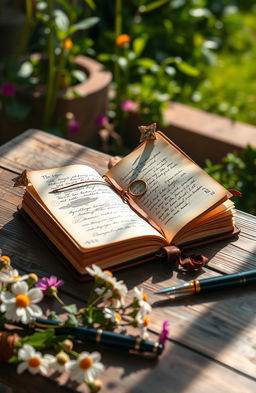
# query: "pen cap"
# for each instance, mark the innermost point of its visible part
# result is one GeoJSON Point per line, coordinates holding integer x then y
{"type": "Point", "coordinates": [227, 281]}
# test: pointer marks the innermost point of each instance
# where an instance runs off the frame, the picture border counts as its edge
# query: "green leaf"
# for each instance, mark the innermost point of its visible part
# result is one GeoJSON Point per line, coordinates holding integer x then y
{"type": "Point", "coordinates": [71, 321]}
{"type": "Point", "coordinates": [91, 4]}
{"type": "Point", "coordinates": [105, 57]}
{"type": "Point", "coordinates": [139, 45]}
{"type": "Point", "coordinates": [53, 316]}
{"type": "Point", "coordinates": [42, 339]}
{"type": "Point", "coordinates": [14, 359]}
{"type": "Point", "coordinates": [78, 94]}
{"type": "Point", "coordinates": [187, 68]}
{"type": "Point", "coordinates": [61, 20]}
{"type": "Point", "coordinates": [79, 75]}
{"type": "Point", "coordinates": [146, 62]}
{"type": "Point", "coordinates": [2, 320]}
{"type": "Point", "coordinates": [85, 24]}
{"type": "Point", "coordinates": [17, 110]}
{"type": "Point", "coordinates": [71, 308]}
{"type": "Point", "coordinates": [152, 6]}
{"type": "Point", "coordinates": [25, 70]}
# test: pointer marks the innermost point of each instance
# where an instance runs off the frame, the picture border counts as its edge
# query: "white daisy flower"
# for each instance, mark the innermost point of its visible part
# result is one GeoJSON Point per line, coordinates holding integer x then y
{"type": "Point", "coordinates": [34, 361]}
{"type": "Point", "coordinates": [86, 367]}
{"type": "Point", "coordinates": [19, 304]}
{"type": "Point", "coordinates": [142, 298]}
{"type": "Point", "coordinates": [112, 315]}
{"type": "Point", "coordinates": [99, 291]}
{"type": "Point", "coordinates": [105, 276]}
{"type": "Point", "coordinates": [119, 293]}
{"type": "Point", "coordinates": [12, 276]}
{"type": "Point", "coordinates": [142, 324]}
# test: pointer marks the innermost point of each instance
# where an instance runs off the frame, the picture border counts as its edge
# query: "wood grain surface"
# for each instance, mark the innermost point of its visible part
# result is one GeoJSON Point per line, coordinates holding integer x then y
{"type": "Point", "coordinates": [212, 342]}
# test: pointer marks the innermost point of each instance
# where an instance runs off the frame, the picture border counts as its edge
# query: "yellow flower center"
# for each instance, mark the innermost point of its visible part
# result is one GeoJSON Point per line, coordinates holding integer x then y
{"type": "Point", "coordinates": [145, 297]}
{"type": "Point", "coordinates": [22, 300]}
{"type": "Point", "coordinates": [6, 259]}
{"type": "Point", "coordinates": [118, 317]}
{"type": "Point", "coordinates": [146, 321]}
{"type": "Point", "coordinates": [85, 363]}
{"type": "Point", "coordinates": [15, 277]}
{"type": "Point", "coordinates": [108, 272]}
{"type": "Point", "coordinates": [34, 362]}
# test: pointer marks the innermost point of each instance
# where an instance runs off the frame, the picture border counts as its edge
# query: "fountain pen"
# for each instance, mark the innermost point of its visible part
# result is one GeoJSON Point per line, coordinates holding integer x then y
{"type": "Point", "coordinates": [112, 340]}
{"type": "Point", "coordinates": [216, 284]}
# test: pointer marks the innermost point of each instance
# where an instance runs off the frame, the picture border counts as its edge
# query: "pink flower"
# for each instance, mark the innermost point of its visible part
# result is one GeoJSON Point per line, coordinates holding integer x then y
{"type": "Point", "coordinates": [74, 126]}
{"type": "Point", "coordinates": [164, 333]}
{"type": "Point", "coordinates": [128, 105]}
{"type": "Point", "coordinates": [8, 89]}
{"type": "Point", "coordinates": [101, 120]}
{"type": "Point", "coordinates": [49, 285]}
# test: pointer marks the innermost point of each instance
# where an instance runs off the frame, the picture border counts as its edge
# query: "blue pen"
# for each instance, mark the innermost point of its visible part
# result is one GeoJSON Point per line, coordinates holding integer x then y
{"type": "Point", "coordinates": [216, 284]}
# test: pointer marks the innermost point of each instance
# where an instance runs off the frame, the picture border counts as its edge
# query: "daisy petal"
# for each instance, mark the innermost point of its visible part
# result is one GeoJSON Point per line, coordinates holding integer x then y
{"type": "Point", "coordinates": [35, 295]}
{"type": "Point", "coordinates": [22, 367]}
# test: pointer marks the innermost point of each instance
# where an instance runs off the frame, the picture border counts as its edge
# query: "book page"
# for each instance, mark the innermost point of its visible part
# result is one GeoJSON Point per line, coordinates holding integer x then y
{"type": "Point", "coordinates": [178, 190]}
{"type": "Point", "coordinates": [92, 213]}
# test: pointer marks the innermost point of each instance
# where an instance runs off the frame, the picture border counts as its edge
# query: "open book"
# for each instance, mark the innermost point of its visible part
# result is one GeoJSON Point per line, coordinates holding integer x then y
{"type": "Point", "coordinates": [154, 197]}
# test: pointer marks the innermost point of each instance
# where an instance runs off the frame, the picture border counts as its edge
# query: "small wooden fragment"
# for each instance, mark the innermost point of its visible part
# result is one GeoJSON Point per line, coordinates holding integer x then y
{"type": "Point", "coordinates": [21, 180]}
{"type": "Point", "coordinates": [148, 132]}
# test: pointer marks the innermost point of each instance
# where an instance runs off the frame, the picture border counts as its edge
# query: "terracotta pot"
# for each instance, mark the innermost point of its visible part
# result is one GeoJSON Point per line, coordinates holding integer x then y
{"type": "Point", "coordinates": [86, 109]}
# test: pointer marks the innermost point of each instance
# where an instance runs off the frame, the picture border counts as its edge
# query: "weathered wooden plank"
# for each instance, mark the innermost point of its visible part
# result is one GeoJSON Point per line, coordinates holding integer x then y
{"type": "Point", "coordinates": [220, 326]}
{"type": "Point", "coordinates": [178, 370]}
{"type": "Point", "coordinates": [39, 150]}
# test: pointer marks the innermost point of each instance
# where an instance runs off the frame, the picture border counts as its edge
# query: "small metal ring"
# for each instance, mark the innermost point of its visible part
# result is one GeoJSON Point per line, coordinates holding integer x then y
{"type": "Point", "coordinates": [99, 334]}
{"type": "Point", "coordinates": [155, 349]}
{"type": "Point", "coordinates": [133, 184]}
{"type": "Point", "coordinates": [137, 343]}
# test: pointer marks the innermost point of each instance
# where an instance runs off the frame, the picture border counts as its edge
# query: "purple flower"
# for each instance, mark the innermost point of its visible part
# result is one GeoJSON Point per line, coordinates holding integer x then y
{"type": "Point", "coordinates": [164, 333]}
{"type": "Point", "coordinates": [8, 89]}
{"type": "Point", "coordinates": [74, 126]}
{"type": "Point", "coordinates": [128, 106]}
{"type": "Point", "coordinates": [101, 120]}
{"type": "Point", "coordinates": [48, 284]}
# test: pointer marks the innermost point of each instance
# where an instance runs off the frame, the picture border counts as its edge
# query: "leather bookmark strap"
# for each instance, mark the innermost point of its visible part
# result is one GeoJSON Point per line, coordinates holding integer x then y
{"type": "Point", "coordinates": [169, 254]}
{"type": "Point", "coordinates": [173, 255]}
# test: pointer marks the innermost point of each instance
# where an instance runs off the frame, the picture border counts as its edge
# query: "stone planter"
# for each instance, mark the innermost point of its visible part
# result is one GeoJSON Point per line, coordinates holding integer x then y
{"type": "Point", "coordinates": [200, 134]}
{"type": "Point", "coordinates": [86, 109]}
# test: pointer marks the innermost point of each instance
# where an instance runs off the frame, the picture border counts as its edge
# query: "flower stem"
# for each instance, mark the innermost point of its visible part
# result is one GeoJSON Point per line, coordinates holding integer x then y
{"type": "Point", "coordinates": [117, 70]}
{"type": "Point", "coordinates": [58, 299]}
{"type": "Point", "coordinates": [48, 110]}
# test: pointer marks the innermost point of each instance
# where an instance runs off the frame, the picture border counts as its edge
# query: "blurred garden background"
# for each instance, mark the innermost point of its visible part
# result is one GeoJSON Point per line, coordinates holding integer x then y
{"type": "Point", "coordinates": [82, 69]}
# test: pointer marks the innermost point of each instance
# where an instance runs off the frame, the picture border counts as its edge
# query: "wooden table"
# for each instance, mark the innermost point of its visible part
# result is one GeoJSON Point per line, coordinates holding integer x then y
{"type": "Point", "coordinates": [212, 346]}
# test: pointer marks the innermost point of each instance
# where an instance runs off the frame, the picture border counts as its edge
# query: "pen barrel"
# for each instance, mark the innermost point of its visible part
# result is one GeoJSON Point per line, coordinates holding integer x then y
{"type": "Point", "coordinates": [229, 281]}
{"type": "Point", "coordinates": [112, 340]}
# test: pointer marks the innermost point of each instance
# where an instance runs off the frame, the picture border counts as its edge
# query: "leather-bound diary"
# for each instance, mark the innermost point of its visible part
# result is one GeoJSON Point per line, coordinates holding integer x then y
{"type": "Point", "coordinates": [153, 199]}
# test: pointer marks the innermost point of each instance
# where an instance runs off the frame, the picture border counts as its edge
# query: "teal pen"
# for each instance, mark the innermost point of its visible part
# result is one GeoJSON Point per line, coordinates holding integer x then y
{"type": "Point", "coordinates": [214, 284]}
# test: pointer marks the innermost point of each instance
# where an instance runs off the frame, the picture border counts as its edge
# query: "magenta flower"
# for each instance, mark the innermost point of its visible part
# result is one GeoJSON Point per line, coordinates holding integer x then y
{"type": "Point", "coordinates": [101, 120]}
{"type": "Point", "coordinates": [164, 333]}
{"type": "Point", "coordinates": [49, 285]}
{"type": "Point", "coordinates": [8, 89]}
{"type": "Point", "coordinates": [74, 126]}
{"type": "Point", "coordinates": [128, 106]}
